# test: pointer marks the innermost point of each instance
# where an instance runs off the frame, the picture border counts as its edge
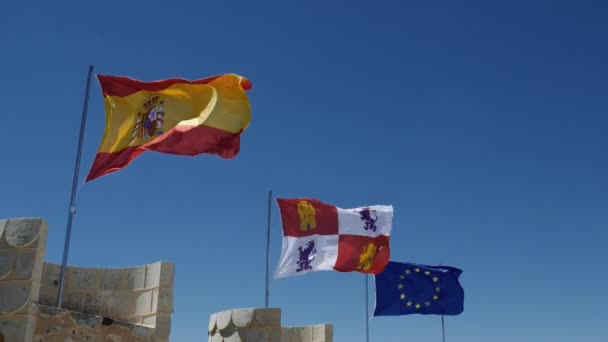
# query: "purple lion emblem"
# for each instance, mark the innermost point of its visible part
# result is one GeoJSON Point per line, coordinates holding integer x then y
{"type": "Point", "coordinates": [369, 218]}
{"type": "Point", "coordinates": [307, 255]}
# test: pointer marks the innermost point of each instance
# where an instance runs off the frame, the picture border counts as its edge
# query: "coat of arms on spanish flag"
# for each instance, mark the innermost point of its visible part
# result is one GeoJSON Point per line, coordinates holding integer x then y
{"type": "Point", "coordinates": [174, 116]}
{"type": "Point", "coordinates": [321, 237]}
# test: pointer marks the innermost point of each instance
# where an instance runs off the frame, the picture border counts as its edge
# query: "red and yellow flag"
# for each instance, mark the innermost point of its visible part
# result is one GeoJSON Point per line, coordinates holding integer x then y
{"type": "Point", "coordinates": [321, 237]}
{"type": "Point", "coordinates": [173, 116]}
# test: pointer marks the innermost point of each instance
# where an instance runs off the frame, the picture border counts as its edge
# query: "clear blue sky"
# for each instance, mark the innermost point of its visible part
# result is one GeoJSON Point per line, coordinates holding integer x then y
{"type": "Point", "coordinates": [483, 122]}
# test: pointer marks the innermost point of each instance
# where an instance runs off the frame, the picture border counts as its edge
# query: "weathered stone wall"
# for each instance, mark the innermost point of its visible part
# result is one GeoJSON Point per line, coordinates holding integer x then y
{"type": "Point", "coordinates": [138, 300]}
{"type": "Point", "coordinates": [58, 325]}
{"type": "Point", "coordinates": [141, 295]}
{"type": "Point", "coordinates": [109, 305]}
{"type": "Point", "coordinates": [262, 325]}
{"type": "Point", "coordinates": [22, 247]}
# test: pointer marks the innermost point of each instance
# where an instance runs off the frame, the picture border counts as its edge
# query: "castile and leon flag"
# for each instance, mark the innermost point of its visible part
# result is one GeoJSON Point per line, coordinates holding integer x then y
{"type": "Point", "coordinates": [173, 116]}
{"type": "Point", "coordinates": [322, 237]}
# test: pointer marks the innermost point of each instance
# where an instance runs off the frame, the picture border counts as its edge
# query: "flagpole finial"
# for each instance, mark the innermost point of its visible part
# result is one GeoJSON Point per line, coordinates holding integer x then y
{"type": "Point", "coordinates": [246, 84]}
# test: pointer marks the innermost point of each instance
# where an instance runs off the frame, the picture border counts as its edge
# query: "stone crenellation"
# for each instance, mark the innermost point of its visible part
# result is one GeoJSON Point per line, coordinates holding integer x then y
{"type": "Point", "coordinates": [22, 248]}
{"type": "Point", "coordinates": [141, 295]}
{"type": "Point", "coordinates": [131, 304]}
{"type": "Point", "coordinates": [99, 304]}
{"type": "Point", "coordinates": [262, 325]}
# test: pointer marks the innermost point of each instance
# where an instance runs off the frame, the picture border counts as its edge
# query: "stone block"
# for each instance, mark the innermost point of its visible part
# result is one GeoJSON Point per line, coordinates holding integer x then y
{"type": "Point", "coordinates": [83, 278]}
{"type": "Point", "coordinates": [287, 335]}
{"type": "Point", "coordinates": [268, 317]}
{"type": "Point", "coordinates": [14, 296]}
{"type": "Point", "coordinates": [97, 303]}
{"type": "Point", "coordinates": [322, 333]}
{"type": "Point", "coordinates": [2, 226]}
{"type": "Point", "coordinates": [275, 334]}
{"type": "Point", "coordinates": [143, 302]}
{"type": "Point", "coordinates": [217, 338]}
{"type": "Point", "coordinates": [303, 334]}
{"type": "Point", "coordinates": [110, 279]}
{"type": "Point", "coordinates": [163, 326]}
{"type": "Point", "coordinates": [52, 311]}
{"type": "Point", "coordinates": [165, 300]}
{"type": "Point", "coordinates": [153, 275]}
{"type": "Point", "coordinates": [40, 252]}
{"type": "Point", "coordinates": [167, 274]}
{"type": "Point", "coordinates": [85, 321]}
{"type": "Point", "coordinates": [132, 319]}
{"type": "Point", "coordinates": [7, 262]}
{"type": "Point", "coordinates": [136, 278]}
{"type": "Point", "coordinates": [23, 232]}
{"type": "Point", "coordinates": [17, 328]}
{"type": "Point", "coordinates": [242, 318]}
{"type": "Point", "coordinates": [24, 264]}
{"type": "Point", "coordinates": [257, 335]}
{"type": "Point", "coordinates": [224, 318]}
{"type": "Point", "coordinates": [121, 304]}
{"type": "Point", "coordinates": [48, 296]}
{"type": "Point", "coordinates": [140, 331]}
{"type": "Point", "coordinates": [235, 336]}
{"type": "Point", "coordinates": [149, 321]}
{"type": "Point", "coordinates": [72, 300]}
{"type": "Point", "coordinates": [60, 325]}
{"type": "Point", "coordinates": [50, 275]}
{"type": "Point", "coordinates": [212, 324]}
{"type": "Point", "coordinates": [155, 299]}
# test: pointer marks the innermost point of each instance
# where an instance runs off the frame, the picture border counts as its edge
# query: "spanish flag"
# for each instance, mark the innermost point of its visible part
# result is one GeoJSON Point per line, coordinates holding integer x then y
{"type": "Point", "coordinates": [173, 116]}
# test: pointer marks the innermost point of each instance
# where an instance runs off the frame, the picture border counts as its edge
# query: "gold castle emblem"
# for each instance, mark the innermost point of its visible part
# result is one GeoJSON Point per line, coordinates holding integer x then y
{"type": "Point", "coordinates": [308, 216]}
{"type": "Point", "coordinates": [367, 257]}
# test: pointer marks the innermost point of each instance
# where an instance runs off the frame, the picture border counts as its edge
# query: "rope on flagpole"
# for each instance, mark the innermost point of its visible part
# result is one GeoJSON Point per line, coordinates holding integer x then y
{"type": "Point", "coordinates": [267, 291]}
{"type": "Point", "coordinates": [72, 207]}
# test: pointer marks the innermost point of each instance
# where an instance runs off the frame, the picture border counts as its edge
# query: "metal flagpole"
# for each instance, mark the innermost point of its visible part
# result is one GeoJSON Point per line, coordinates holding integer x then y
{"type": "Point", "coordinates": [72, 208]}
{"type": "Point", "coordinates": [442, 328]}
{"type": "Point", "coordinates": [366, 309]}
{"type": "Point", "coordinates": [267, 292]}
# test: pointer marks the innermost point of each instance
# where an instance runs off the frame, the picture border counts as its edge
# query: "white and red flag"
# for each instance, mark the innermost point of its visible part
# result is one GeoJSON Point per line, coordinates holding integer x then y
{"type": "Point", "coordinates": [322, 237]}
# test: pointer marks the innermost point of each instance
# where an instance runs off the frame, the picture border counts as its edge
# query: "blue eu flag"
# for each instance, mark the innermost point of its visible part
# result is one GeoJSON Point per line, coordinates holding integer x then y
{"type": "Point", "coordinates": [403, 289]}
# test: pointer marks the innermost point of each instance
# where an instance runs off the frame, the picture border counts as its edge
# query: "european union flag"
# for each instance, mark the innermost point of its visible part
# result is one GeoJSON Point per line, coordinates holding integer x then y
{"type": "Point", "coordinates": [403, 289]}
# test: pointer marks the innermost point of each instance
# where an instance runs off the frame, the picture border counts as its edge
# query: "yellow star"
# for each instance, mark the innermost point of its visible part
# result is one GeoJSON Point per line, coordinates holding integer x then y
{"type": "Point", "coordinates": [409, 304]}
{"type": "Point", "coordinates": [435, 279]}
{"type": "Point", "coordinates": [407, 271]}
{"type": "Point", "coordinates": [417, 269]}
{"type": "Point", "coordinates": [427, 273]}
{"type": "Point", "coordinates": [402, 276]}
{"type": "Point", "coordinates": [427, 304]}
{"type": "Point", "coordinates": [402, 296]}
{"type": "Point", "coordinates": [400, 286]}
{"type": "Point", "coordinates": [418, 306]}
{"type": "Point", "coordinates": [437, 289]}
{"type": "Point", "coordinates": [435, 297]}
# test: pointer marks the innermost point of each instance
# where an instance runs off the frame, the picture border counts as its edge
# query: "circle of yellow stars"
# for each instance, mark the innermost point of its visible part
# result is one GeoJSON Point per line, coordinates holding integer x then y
{"type": "Point", "coordinates": [409, 303]}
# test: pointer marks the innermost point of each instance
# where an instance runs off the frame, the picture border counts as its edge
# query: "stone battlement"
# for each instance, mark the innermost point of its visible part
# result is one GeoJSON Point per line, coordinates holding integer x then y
{"type": "Point", "coordinates": [131, 304]}
{"type": "Point", "coordinates": [105, 304]}
{"type": "Point", "coordinates": [262, 325]}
